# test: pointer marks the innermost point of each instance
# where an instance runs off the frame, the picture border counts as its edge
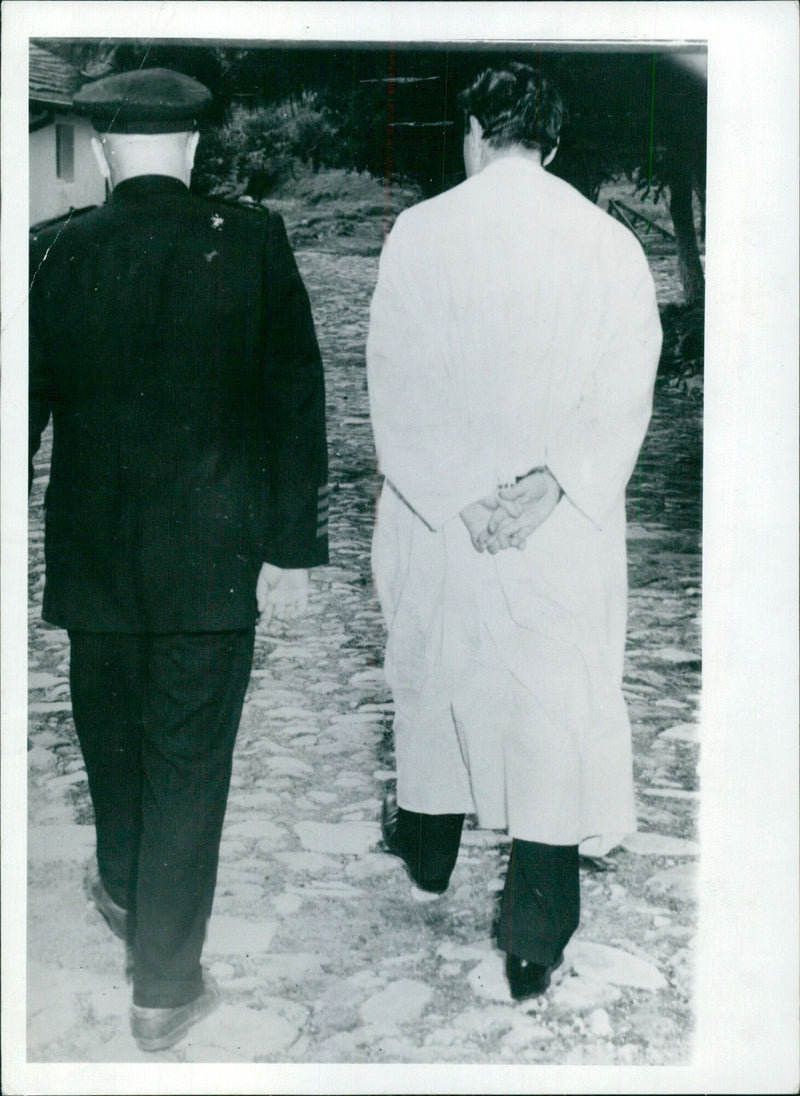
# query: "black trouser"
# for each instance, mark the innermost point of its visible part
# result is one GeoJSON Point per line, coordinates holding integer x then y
{"type": "Point", "coordinates": [156, 717]}
{"type": "Point", "coordinates": [540, 907]}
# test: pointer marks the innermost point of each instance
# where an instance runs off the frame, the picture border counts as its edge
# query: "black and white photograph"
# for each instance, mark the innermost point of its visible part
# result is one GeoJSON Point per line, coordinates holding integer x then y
{"type": "Point", "coordinates": [377, 585]}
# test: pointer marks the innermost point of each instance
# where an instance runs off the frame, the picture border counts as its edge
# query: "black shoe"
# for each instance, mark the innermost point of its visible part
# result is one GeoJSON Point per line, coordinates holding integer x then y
{"type": "Point", "coordinates": [528, 979]}
{"type": "Point", "coordinates": [389, 819]}
{"type": "Point", "coordinates": [115, 916]}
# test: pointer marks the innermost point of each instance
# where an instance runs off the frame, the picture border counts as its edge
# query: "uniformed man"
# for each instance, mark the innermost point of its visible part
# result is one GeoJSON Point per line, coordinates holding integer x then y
{"type": "Point", "coordinates": [172, 341]}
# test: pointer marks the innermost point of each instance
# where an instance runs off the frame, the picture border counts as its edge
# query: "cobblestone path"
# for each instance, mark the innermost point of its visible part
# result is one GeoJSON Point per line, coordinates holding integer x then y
{"type": "Point", "coordinates": [324, 951]}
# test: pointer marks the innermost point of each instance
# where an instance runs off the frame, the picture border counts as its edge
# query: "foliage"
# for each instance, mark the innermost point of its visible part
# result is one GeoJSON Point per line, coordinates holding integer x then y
{"type": "Point", "coordinates": [315, 133]}
{"type": "Point", "coordinates": [682, 353]}
{"type": "Point", "coordinates": [259, 147]}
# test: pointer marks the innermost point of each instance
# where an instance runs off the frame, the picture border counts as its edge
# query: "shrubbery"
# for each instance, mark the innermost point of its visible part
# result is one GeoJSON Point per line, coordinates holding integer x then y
{"type": "Point", "coordinates": [258, 147]}
{"type": "Point", "coordinates": [682, 353]}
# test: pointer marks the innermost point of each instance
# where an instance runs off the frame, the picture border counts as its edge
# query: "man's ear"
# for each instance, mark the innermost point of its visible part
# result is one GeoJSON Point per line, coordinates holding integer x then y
{"type": "Point", "coordinates": [550, 156]}
{"type": "Point", "coordinates": [475, 128]}
{"type": "Point", "coordinates": [100, 157]}
{"type": "Point", "coordinates": [191, 149]}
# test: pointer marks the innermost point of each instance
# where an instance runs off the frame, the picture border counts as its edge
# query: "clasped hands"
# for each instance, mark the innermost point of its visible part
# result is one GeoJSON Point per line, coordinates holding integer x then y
{"type": "Point", "coordinates": [281, 594]}
{"type": "Point", "coordinates": [507, 517]}
{"type": "Point", "coordinates": [504, 519]}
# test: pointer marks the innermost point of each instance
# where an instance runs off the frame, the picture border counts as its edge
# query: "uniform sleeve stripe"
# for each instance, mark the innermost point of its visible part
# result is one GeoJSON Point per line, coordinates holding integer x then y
{"type": "Point", "coordinates": [323, 491]}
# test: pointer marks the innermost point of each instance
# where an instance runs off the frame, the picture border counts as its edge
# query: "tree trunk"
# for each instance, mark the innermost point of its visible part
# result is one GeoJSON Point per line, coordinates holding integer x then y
{"type": "Point", "coordinates": [700, 191]}
{"type": "Point", "coordinates": [680, 207]}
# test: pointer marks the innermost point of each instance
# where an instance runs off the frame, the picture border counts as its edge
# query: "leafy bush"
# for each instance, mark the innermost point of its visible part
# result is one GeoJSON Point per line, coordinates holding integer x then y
{"type": "Point", "coordinates": [316, 133]}
{"type": "Point", "coordinates": [257, 148]}
{"type": "Point", "coordinates": [682, 353]}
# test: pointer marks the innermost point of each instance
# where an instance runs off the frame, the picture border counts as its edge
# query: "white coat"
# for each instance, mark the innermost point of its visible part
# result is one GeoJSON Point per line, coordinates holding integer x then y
{"type": "Point", "coordinates": [513, 326]}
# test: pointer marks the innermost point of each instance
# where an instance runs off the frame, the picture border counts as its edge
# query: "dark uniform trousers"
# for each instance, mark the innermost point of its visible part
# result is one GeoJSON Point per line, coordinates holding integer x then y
{"type": "Point", "coordinates": [540, 907]}
{"type": "Point", "coordinates": [157, 716]}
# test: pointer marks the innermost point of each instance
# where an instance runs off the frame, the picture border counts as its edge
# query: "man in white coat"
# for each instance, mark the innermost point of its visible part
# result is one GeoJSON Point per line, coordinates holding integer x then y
{"type": "Point", "coordinates": [513, 345]}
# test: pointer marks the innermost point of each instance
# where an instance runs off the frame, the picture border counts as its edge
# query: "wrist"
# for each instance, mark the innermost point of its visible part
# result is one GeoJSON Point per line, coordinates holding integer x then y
{"type": "Point", "coordinates": [541, 470]}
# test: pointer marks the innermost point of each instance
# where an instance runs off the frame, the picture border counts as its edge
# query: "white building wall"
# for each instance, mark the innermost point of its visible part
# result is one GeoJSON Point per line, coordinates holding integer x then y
{"type": "Point", "coordinates": [50, 196]}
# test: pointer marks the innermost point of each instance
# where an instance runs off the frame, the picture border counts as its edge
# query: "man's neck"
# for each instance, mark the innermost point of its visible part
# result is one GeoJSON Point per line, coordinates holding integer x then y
{"type": "Point", "coordinates": [492, 154]}
{"type": "Point", "coordinates": [149, 169]}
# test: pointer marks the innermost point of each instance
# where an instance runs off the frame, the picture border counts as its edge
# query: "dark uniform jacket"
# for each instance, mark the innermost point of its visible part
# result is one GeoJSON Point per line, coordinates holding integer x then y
{"type": "Point", "coordinates": [173, 343]}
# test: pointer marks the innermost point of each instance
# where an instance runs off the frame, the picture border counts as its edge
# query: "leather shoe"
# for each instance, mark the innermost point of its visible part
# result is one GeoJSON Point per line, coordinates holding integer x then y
{"type": "Point", "coordinates": [528, 979]}
{"type": "Point", "coordinates": [389, 819]}
{"type": "Point", "coordinates": [161, 1028]}
{"type": "Point", "coordinates": [115, 916]}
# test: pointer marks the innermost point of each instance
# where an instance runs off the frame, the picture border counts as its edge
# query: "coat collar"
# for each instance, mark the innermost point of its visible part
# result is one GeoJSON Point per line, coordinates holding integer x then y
{"type": "Point", "coordinates": [146, 186]}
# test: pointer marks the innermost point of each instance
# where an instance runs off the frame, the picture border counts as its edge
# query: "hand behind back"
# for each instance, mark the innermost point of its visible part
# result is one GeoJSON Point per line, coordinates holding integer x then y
{"type": "Point", "coordinates": [507, 517]}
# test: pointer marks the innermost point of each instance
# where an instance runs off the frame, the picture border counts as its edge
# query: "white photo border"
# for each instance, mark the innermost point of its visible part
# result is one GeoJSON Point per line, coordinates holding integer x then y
{"type": "Point", "coordinates": [747, 957]}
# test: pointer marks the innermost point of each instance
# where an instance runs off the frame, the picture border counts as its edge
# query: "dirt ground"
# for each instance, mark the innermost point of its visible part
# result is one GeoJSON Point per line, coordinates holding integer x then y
{"type": "Point", "coordinates": [323, 949]}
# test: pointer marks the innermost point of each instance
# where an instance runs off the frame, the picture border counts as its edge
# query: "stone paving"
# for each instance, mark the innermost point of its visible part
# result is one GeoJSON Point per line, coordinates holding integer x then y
{"type": "Point", "coordinates": [324, 950]}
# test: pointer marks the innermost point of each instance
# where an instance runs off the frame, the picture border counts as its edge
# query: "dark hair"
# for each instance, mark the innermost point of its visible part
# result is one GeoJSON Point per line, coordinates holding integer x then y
{"type": "Point", "coordinates": [515, 105]}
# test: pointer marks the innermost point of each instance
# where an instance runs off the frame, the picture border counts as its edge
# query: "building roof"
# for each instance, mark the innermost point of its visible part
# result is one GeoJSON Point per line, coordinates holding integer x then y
{"type": "Point", "coordinates": [51, 80]}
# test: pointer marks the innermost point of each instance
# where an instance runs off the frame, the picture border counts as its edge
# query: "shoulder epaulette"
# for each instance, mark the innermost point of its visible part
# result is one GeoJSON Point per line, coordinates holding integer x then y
{"type": "Point", "coordinates": [241, 203]}
{"type": "Point", "coordinates": [63, 218]}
